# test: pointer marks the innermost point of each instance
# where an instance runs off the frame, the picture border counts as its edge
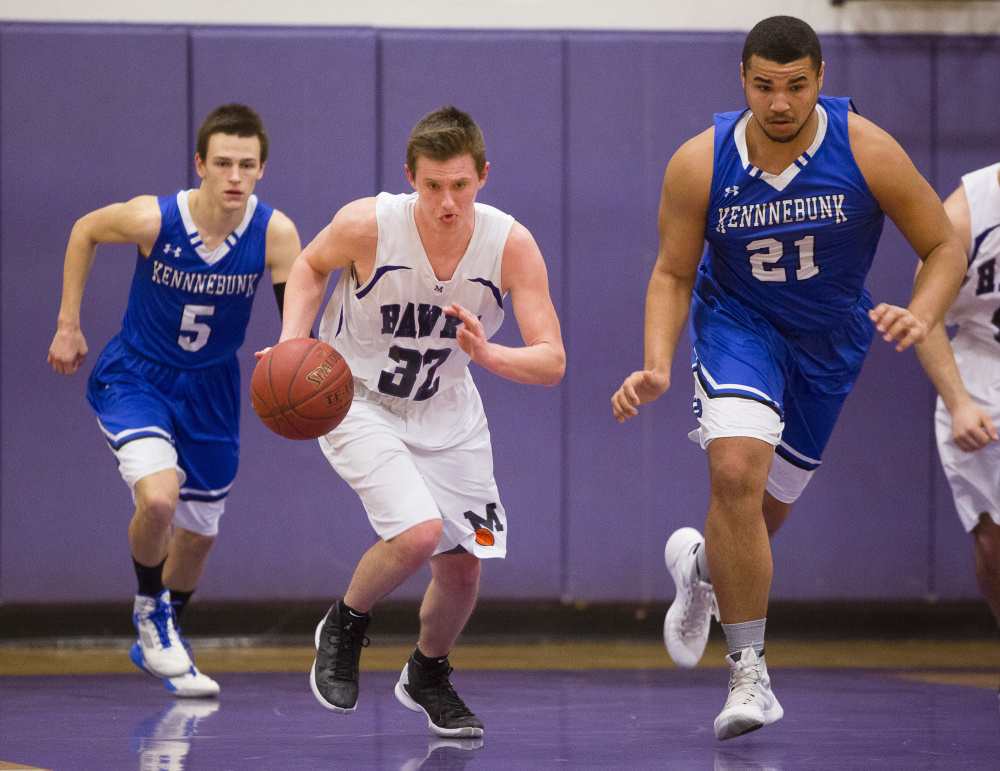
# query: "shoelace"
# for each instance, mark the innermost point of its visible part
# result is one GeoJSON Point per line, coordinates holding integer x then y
{"type": "Point", "coordinates": [449, 702]}
{"type": "Point", "coordinates": [347, 646]}
{"type": "Point", "coordinates": [164, 621]}
{"type": "Point", "coordinates": [702, 605]}
{"type": "Point", "coordinates": [743, 683]}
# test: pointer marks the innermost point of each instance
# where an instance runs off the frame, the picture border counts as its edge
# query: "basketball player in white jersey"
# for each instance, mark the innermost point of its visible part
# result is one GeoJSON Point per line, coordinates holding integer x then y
{"type": "Point", "coordinates": [966, 373]}
{"type": "Point", "coordinates": [424, 284]}
{"type": "Point", "coordinates": [166, 390]}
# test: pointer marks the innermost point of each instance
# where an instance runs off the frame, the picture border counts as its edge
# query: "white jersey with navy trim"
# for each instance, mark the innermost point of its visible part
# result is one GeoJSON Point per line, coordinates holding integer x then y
{"type": "Point", "coordinates": [976, 311]}
{"type": "Point", "coordinates": [189, 307]}
{"type": "Point", "coordinates": [392, 330]}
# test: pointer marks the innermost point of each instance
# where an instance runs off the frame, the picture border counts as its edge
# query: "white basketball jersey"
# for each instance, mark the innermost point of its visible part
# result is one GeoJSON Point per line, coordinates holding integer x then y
{"type": "Point", "coordinates": [392, 330]}
{"type": "Point", "coordinates": [977, 309]}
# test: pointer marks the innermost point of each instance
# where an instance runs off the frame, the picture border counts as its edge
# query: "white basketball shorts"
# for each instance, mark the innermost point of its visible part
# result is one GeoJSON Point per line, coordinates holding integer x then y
{"type": "Point", "coordinates": [150, 455]}
{"type": "Point", "coordinates": [974, 476]}
{"type": "Point", "coordinates": [413, 462]}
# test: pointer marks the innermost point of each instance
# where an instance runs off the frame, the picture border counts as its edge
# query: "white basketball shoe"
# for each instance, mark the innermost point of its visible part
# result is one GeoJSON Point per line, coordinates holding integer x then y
{"type": "Point", "coordinates": [685, 629]}
{"type": "Point", "coordinates": [751, 703]}
{"type": "Point", "coordinates": [159, 648]}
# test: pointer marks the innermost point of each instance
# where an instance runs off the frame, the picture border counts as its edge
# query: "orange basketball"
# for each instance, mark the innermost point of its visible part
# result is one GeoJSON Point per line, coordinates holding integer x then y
{"type": "Point", "coordinates": [302, 388]}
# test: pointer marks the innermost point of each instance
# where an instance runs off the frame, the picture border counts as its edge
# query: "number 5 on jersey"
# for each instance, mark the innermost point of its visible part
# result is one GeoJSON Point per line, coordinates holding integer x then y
{"type": "Point", "coordinates": [199, 329]}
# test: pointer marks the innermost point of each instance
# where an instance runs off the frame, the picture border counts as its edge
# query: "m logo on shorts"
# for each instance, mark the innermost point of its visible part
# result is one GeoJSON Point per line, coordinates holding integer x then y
{"type": "Point", "coordinates": [485, 527]}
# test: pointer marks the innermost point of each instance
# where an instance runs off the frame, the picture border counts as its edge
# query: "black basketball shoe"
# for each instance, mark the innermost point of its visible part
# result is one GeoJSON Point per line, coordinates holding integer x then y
{"type": "Point", "coordinates": [431, 692]}
{"type": "Point", "coordinates": [340, 637]}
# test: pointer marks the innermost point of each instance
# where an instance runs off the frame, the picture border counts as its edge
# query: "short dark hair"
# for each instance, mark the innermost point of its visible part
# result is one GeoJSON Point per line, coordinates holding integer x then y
{"type": "Point", "coordinates": [782, 39]}
{"type": "Point", "coordinates": [445, 134]}
{"type": "Point", "coordinates": [235, 119]}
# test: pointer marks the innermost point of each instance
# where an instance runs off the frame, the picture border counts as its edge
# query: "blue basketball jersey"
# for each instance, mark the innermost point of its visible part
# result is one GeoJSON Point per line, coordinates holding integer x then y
{"type": "Point", "coordinates": [794, 247]}
{"type": "Point", "coordinates": [189, 307]}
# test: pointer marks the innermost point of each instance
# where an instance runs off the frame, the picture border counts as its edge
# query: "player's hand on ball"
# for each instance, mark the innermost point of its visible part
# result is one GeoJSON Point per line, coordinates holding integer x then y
{"type": "Point", "coordinates": [260, 354]}
{"type": "Point", "coordinates": [899, 324]}
{"type": "Point", "coordinates": [640, 387]}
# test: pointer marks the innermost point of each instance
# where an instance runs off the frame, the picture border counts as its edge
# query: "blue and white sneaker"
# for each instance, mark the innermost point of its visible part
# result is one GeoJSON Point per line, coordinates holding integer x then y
{"type": "Point", "coordinates": [159, 649]}
{"type": "Point", "coordinates": [193, 684]}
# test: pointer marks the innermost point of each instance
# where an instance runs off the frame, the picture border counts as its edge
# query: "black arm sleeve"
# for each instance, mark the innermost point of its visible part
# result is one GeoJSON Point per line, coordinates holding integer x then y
{"type": "Point", "coordinates": [279, 295]}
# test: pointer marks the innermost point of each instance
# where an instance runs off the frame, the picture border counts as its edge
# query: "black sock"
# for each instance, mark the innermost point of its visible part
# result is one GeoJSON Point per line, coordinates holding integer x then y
{"type": "Point", "coordinates": [430, 664]}
{"type": "Point", "coordinates": [150, 578]}
{"type": "Point", "coordinates": [345, 608]}
{"type": "Point", "coordinates": [179, 600]}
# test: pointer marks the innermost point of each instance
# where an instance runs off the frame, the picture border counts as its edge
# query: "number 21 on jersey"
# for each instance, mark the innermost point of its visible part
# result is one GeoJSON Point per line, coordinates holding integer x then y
{"type": "Point", "coordinates": [764, 252]}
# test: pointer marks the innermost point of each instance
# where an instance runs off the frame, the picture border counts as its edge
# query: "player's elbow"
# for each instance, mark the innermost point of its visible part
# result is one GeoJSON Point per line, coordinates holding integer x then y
{"type": "Point", "coordinates": [556, 368]}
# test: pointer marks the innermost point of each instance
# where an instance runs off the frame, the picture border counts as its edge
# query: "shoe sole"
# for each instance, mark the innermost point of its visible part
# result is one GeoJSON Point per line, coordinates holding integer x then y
{"type": "Point", "coordinates": [194, 693]}
{"type": "Point", "coordinates": [312, 681]}
{"type": "Point", "coordinates": [453, 733]}
{"type": "Point", "coordinates": [742, 725]}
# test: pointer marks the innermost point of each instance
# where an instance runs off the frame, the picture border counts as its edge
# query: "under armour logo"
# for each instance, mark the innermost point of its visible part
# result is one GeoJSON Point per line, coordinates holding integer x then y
{"type": "Point", "coordinates": [175, 250]}
{"type": "Point", "coordinates": [734, 190]}
{"type": "Point", "coordinates": [438, 288]}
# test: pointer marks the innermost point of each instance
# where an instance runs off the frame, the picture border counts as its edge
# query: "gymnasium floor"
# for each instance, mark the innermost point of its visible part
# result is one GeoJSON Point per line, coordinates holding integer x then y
{"type": "Point", "coordinates": [861, 704]}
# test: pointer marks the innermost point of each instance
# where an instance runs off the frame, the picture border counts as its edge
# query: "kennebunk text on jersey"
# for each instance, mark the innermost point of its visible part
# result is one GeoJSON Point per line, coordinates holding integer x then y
{"type": "Point", "coordinates": [782, 212]}
{"type": "Point", "coordinates": [200, 283]}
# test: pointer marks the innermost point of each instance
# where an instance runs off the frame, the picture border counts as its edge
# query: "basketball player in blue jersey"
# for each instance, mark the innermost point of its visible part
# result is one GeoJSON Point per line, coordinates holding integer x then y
{"type": "Point", "coordinates": [166, 389]}
{"type": "Point", "coordinates": [790, 196]}
{"type": "Point", "coordinates": [424, 282]}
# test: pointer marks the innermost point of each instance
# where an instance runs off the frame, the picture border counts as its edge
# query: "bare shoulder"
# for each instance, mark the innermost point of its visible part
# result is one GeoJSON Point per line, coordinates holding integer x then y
{"type": "Point", "coordinates": [689, 172]}
{"type": "Point", "coordinates": [697, 151]}
{"type": "Point", "coordinates": [687, 182]}
{"type": "Point", "coordinates": [520, 241]}
{"type": "Point", "coordinates": [357, 218]}
{"type": "Point", "coordinates": [281, 227]}
{"type": "Point", "coordinates": [134, 221]}
{"type": "Point", "coordinates": [522, 259]}
{"type": "Point", "coordinates": [351, 238]}
{"type": "Point", "coordinates": [283, 246]}
{"type": "Point", "coordinates": [874, 149]}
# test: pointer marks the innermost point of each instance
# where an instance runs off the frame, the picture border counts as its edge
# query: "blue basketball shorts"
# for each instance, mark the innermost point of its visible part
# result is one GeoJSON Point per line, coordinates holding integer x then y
{"type": "Point", "coordinates": [196, 411]}
{"type": "Point", "coordinates": [785, 388]}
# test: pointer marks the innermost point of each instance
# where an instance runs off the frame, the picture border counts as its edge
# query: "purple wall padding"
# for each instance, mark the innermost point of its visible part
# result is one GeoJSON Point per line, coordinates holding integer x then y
{"type": "Point", "coordinates": [579, 128]}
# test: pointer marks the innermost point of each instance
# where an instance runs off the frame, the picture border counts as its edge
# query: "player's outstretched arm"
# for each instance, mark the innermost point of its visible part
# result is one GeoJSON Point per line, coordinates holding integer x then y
{"type": "Point", "coordinates": [347, 242]}
{"type": "Point", "coordinates": [911, 203]}
{"type": "Point", "coordinates": [682, 219]}
{"type": "Point", "coordinates": [136, 221]}
{"type": "Point", "coordinates": [542, 359]}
